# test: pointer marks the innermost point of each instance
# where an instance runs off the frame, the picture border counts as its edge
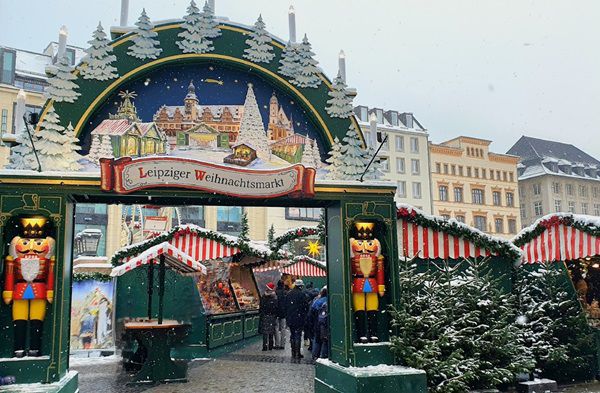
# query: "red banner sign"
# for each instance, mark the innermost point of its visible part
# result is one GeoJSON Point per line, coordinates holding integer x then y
{"type": "Point", "coordinates": [127, 175]}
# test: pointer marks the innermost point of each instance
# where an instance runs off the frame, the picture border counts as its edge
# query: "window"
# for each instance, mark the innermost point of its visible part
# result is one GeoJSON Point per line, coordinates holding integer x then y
{"type": "Point", "coordinates": [595, 192]}
{"type": "Point", "coordinates": [477, 196]}
{"type": "Point", "coordinates": [458, 194]}
{"type": "Point", "coordinates": [229, 219]}
{"type": "Point", "coordinates": [537, 189]}
{"type": "Point", "coordinates": [496, 198]}
{"type": "Point", "coordinates": [523, 211]}
{"type": "Point", "coordinates": [584, 208]}
{"type": "Point", "coordinates": [438, 167]}
{"type": "Point", "coordinates": [401, 191]}
{"type": "Point", "coordinates": [443, 190]}
{"type": "Point", "coordinates": [191, 215]}
{"type": "Point", "coordinates": [453, 169]}
{"type": "Point", "coordinates": [70, 54]}
{"type": "Point", "coordinates": [499, 225]}
{"type": "Point", "coordinates": [7, 66]}
{"type": "Point", "coordinates": [504, 176]}
{"type": "Point", "coordinates": [537, 208]}
{"type": "Point", "coordinates": [303, 213]}
{"type": "Point", "coordinates": [571, 207]}
{"type": "Point", "coordinates": [480, 222]}
{"type": "Point", "coordinates": [445, 169]}
{"type": "Point", "coordinates": [511, 177]}
{"type": "Point", "coordinates": [416, 189]}
{"type": "Point", "coordinates": [364, 114]}
{"type": "Point", "coordinates": [483, 173]}
{"type": "Point", "coordinates": [414, 145]}
{"type": "Point", "coordinates": [460, 218]}
{"type": "Point", "coordinates": [582, 191]}
{"type": "Point", "coordinates": [400, 165]}
{"type": "Point", "coordinates": [498, 175]}
{"type": "Point", "coordinates": [510, 199]}
{"type": "Point", "coordinates": [556, 188]}
{"type": "Point", "coordinates": [380, 138]}
{"type": "Point", "coordinates": [385, 164]}
{"type": "Point", "coordinates": [399, 143]}
{"type": "Point", "coordinates": [394, 116]}
{"type": "Point", "coordinates": [569, 189]}
{"type": "Point", "coordinates": [4, 126]}
{"type": "Point", "coordinates": [557, 205]}
{"type": "Point", "coordinates": [597, 209]}
{"type": "Point", "coordinates": [491, 174]}
{"type": "Point", "coordinates": [512, 225]}
{"type": "Point", "coordinates": [476, 172]}
{"type": "Point", "coordinates": [460, 170]}
{"type": "Point", "coordinates": [468, 171]}
{"type": "Point", "coordinates": [29, 84]}
{"type": "Point", "coordinates": [415, 166]}
{"type": "Point", "coordinates": [445, 216]}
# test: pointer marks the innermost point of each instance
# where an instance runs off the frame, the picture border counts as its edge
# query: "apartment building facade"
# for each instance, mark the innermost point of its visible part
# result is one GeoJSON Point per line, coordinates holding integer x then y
{"type": "Point", "coordinates": [555, 177]}
{"type": "Point", "coordinates": [475, 186]}
{"type": "Point", "coordinates": [405, 155]}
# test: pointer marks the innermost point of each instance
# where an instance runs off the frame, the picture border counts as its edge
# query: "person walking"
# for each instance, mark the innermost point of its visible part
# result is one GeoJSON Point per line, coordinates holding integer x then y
{"type": "Point", "coordinates": [297, 307]}
{"type": "Point", "coordinates": [311, 294]}
{"type": "Point", "coordinates": [320, 312]}
{"type": "Point", "coordinates": [268, 316]}
{"type": "Point", "coordinates": [280, 325]}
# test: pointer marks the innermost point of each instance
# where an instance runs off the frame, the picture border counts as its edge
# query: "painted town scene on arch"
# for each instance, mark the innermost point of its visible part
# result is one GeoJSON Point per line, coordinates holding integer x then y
{"type": "Point", "coordinates": [207, 196]}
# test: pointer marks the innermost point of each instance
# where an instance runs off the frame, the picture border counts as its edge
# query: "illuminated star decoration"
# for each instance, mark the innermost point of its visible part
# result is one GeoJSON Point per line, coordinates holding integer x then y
{"type": "Point", "coordinates": [313, 248]}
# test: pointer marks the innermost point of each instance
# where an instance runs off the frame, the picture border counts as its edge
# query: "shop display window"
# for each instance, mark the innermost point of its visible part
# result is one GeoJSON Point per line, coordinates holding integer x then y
{"type": "Point", "coordinates": [214, 288]}
{"type": "Point", "coordinates": [244, 287]}
{"type": "Point", "coordinates": [585, 274]}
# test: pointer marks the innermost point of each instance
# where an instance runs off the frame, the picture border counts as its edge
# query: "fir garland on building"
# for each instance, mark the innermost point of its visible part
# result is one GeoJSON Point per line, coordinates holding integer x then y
{"type": "Point", "coordinates": [543, 224]}
{"type": "Point", "coordinates": [294, 234]}
{"type": "Point", "coordinates": [92, 276]}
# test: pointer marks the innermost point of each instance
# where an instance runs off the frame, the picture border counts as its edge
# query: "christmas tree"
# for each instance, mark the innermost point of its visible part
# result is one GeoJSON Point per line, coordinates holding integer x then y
{"type": "Point", "coordinates": [61, 87]}
{"type": "Point", "coordinates": [199, 30]}
{"type": "Point", "coordinates": [308, 155]}
{"type": "Point", "coordinates": [106, 149]}
{"type": "Point", "coordinates": [94, 153]}
{"type": "Point", "coordinates": [316, 154]}
{"type": "Point", "coordinates": [51, 142]}
{"type": "Point", "coordinates": [271, 236]}
{"type": "Point", "coordinates": [244, 229]}
{"type": "Point", "coordinates": [322, 227]}
{"type": "Point", "coordinates": [259, 49]}
{"type": "Point", "coordinates": [340, 103]}
{"type": "Point", "coordinates": [335, 161]}
{"type": "Point", "coordinates": [21, 154]}
{"type": "Point", "coordinates": [353, 155]}
{"type": "Point", "coordinates": [210, 27]}
{"type": "Point", "coordinates": [252, 130]}
{"type": "Point", "coordinates": [71, 146]}
{"type": "Point", "coordinates": [98, 62]}
{"type": "Point", "coordinates": [290, 60]}
{"type": "Point", "coordinates": [307, 72]}
{"type": "Point", "coordinates": [145, 45]}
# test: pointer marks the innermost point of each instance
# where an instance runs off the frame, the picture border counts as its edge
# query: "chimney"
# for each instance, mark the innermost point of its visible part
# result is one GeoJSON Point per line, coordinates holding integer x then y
{"type": "Point", "coordinates": [124, 12]}
{"type": "Point", "coordinates": [211, 4]}
{"type": "Point", "coordinates": [62, 41]}
{"type": "Point", "coordinates": [373, 123]}
{"type": "Point", "coordinates": [20, 111]}
{"type": "Point", "coordinates": [292, 22]}
{"type": "Point", "coordinates": [342, 65]}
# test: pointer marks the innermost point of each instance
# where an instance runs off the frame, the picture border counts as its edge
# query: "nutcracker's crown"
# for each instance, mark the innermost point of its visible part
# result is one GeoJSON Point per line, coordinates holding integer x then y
{"type": "Point", "coordinates": [364, 230]}
{"type": "Point", "coordinates": [33, 226]}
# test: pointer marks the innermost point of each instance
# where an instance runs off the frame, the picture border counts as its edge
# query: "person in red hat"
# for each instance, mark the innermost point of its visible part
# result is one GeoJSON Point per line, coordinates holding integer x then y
{"type": "Point", "coordinates": [268, 316]}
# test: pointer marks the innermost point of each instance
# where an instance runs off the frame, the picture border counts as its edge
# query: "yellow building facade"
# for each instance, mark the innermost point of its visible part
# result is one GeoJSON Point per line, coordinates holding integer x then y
{"type": "Point", "coordinates": [475, 186]}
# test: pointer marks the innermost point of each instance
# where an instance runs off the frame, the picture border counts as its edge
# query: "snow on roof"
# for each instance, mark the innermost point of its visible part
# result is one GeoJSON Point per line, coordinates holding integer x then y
{"type": "Point", "coordinates": [539, 169]}
{"type": "Point", "coordinates": [583, 219]}
{"type": "Point", "coordinates": [121, 127]}
{"type": "Point", "coordinates": [216, 110]}
{"type": "Point", "coordinates": [32, 64]}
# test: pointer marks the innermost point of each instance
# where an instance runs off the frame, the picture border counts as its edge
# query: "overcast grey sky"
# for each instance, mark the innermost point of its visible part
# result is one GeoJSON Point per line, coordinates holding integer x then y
{"type": "Point", "coordinates": [490, 69]}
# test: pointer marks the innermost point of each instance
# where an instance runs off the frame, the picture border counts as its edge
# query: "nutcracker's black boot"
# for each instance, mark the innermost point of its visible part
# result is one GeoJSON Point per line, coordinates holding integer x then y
{"type": "Point", "coordinates": [372, 322]}
{"type": "Point", "coordinates": [35, 337]}
{"type": "Point", "coordinates": [20, 335]}
{"type": "Point", "coordinates": [360, 326]}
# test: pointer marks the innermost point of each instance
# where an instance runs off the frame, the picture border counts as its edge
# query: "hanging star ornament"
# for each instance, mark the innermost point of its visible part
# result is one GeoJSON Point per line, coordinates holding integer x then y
{"type": "Point", "coordinates": [313, 248]}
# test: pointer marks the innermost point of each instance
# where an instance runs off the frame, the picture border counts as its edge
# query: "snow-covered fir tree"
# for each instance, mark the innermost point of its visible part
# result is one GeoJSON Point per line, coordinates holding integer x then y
{"type": "Point", "coordinates": [145, 45]}
{"type": "Point", "coordinates": [21, 154]}
{"type": "Point", "coordinates": [252, 130]}
{"type": "Point", "coordinates": [199, 28]}
{"type": "Point", "coordinates": [98, 63]}
{"type": "Point", "coordinates": [271, 236]}
{"type": "Point", "coordinates": [290, 60]}
{"type": "Point", "coordinates": [244, 235]}
{"type": "Point", "coordinates": [259, 44]}
{"type": "Point", "coordinates": [307, 72]}
{"type": "Point", "coordinates": [340, 103]}
{"type": "Point", "coordinates": [353, 155]}
{"type": "Point", "coordinates": [61, 87]}
{"type": "Point", "coordinates": [71, 147]}
{"type": "Point", "coordinates": [94, 153]}
{"type": "Point", "coordinates": [308, 155]}
{"type": "Point", "coordinates": [106, 149]}
{"type": "Point", "coordinates": [316, 153]}
{"type": "Point", "coordinates": [335, 161]}
{"type": "Point", "coordinates": [375, 171]}
{"type": "Point", "coordinates": [51, 142]}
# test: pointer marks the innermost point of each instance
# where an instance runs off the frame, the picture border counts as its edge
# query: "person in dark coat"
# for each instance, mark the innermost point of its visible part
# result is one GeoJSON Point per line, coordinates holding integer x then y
{"type": "Point", "coordinates": [297, 307]}
{"type": "Point", "coordinates": [320, 318]}
{"type": "Point", "coordinates": [268, 316]}
{"type": "Point", "coordinates": [280, 325]}
{"type": "Point", "coordinates": [311, 294]}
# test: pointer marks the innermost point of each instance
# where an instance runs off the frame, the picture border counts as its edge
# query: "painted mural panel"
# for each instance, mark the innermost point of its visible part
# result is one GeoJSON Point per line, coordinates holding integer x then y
{"type": "Point", "coordinates": [92, 315]}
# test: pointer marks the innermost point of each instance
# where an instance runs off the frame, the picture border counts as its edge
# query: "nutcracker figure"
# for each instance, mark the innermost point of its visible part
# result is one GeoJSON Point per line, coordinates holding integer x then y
{"type": "Point", "coordinates": [29, 283]}
{"type": "Point", "coordinates": [368, 281]}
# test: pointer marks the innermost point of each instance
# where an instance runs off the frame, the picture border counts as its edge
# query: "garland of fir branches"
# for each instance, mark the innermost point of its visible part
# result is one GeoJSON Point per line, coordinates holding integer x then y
{"type": "Point", "coordinates": [294, 234]}
{"type": "Point", "coordinates": [94, 276]}
{"type": "Point", "coordinates": [311, 261]}
{"type": "Point", "coordinates": [545, 223]}
{"type": "Point", "coordinates": [457, 229]}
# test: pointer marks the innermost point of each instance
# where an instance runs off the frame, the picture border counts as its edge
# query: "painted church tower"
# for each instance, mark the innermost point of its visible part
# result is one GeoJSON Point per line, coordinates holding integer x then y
{"type": "Point", "coordinates": [191, 104]}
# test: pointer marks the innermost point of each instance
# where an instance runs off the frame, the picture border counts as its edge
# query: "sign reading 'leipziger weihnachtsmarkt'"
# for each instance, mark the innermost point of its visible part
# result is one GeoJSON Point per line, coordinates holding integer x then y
{"type": "Point", "coordinates": [127, 175]}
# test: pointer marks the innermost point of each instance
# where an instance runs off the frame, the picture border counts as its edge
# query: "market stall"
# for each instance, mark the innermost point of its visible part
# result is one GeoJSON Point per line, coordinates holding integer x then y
{"type": "Point", "coordinates": [303, 267]}
{"type": "Point", "coordinates": [427, 238]}
{"type": "Point", "coordinates": [221, 303]}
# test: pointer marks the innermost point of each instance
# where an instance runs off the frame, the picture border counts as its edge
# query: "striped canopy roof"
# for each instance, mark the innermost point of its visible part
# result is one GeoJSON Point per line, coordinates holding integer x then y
{"type": "Point", "coordinates": [300, 266]}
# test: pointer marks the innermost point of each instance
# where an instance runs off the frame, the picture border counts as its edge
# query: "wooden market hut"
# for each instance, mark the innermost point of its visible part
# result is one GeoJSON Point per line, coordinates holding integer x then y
{"type": "Point", "coordinates": [221, 306]}
{"type": "Point", "coordinates": [428, 238]}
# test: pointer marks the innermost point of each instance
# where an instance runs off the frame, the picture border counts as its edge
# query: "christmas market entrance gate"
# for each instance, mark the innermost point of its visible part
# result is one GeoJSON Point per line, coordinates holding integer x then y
{"type": "Point", "coordinates": [55, 198]}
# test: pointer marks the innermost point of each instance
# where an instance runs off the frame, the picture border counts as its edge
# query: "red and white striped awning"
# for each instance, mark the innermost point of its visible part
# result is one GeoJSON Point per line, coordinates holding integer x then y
{"type": "Point", "coordinates": [175, 259]}
{"type": "Point", "coordinates": [421, 242]}
{"type": "Point", "coordinates": [304, 269]}
{"type": "Point", "coordinates": [200, 248]}
{"type": "Point", "coordinates": [560, 243]}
